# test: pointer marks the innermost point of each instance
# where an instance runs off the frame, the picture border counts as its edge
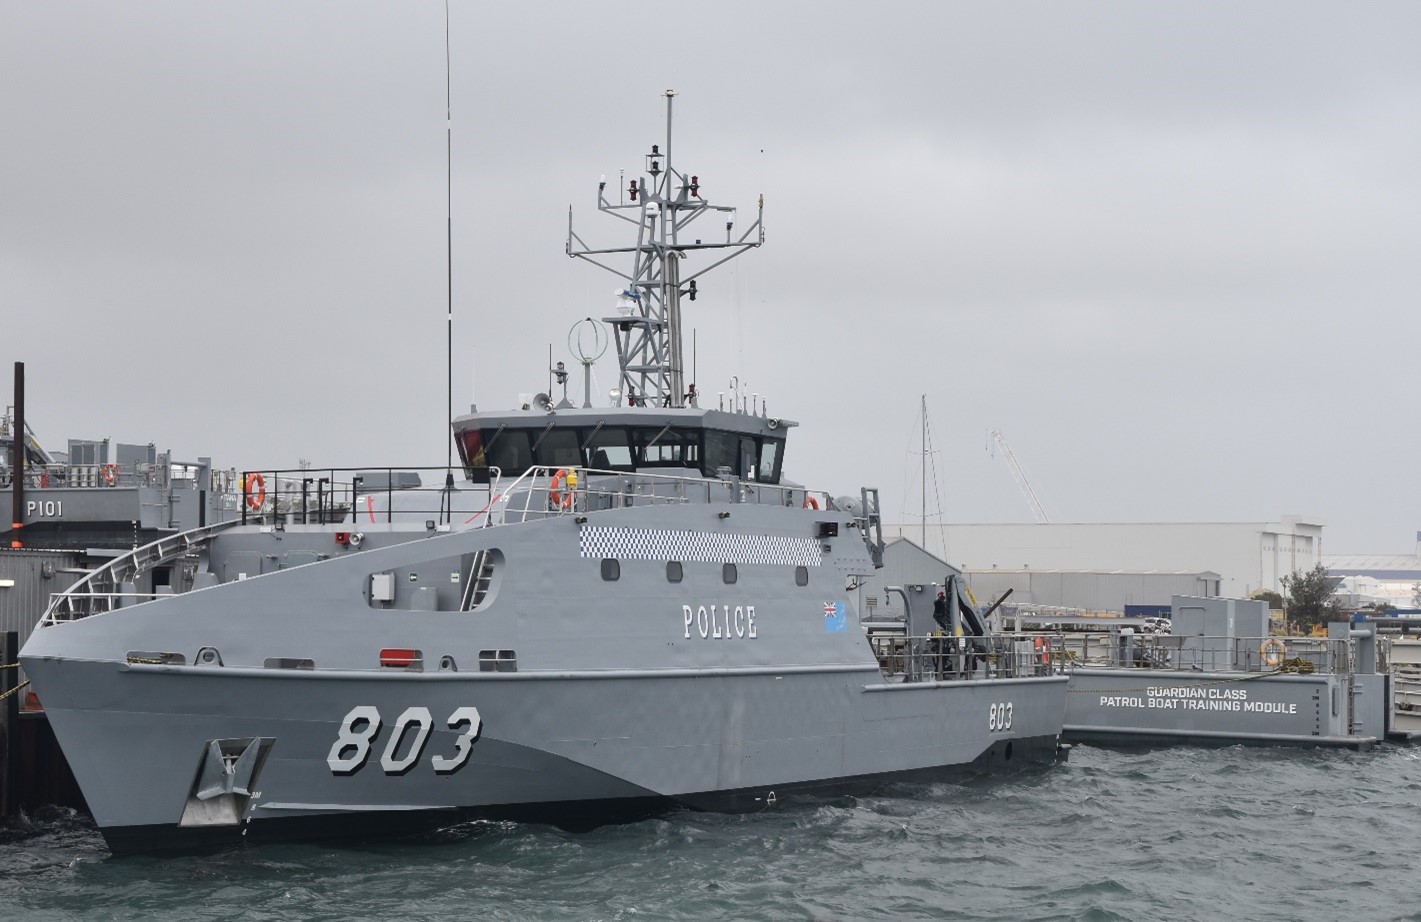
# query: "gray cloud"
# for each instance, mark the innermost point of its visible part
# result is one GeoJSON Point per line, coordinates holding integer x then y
{"type": "Point", "coordinates": [1166, 248]}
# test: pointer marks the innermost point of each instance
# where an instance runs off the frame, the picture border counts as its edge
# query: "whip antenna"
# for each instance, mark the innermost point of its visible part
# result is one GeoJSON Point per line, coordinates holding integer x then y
{"type": "Point", "coordinates": [446, 506]}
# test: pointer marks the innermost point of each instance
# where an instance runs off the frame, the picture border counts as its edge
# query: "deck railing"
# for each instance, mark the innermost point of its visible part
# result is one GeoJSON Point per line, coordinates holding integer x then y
{"type": "Point", "coordinates": [389, 495]}
{"type": "Point", "coordinates": [1304, 655]}
{"type": "Point", "coordinates": [941, 659]}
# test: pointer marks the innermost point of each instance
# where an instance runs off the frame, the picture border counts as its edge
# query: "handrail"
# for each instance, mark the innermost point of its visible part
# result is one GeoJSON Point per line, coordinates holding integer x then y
{"type": "Point", "coordinates": [1305, 655]}
{"type": "Point", "coordinates": [124, 567]}
{"type": "Point", "coordinates": [938, 658]}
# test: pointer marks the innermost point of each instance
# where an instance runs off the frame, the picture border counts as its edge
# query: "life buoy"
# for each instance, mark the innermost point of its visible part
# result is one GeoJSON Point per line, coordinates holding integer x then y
{"type": "Point", "coordinates": [1271, 651]}
{"type": "Point", "coordinates": [557, 499]}
{"type": "Point", "coordinates": [810, 502]}
{"type": "Point", "coordinates": [1043, 648]}
{"type": "Point", "coordinates": [110, 473]}
{"type": "Point", "coordinates": [256, 491]}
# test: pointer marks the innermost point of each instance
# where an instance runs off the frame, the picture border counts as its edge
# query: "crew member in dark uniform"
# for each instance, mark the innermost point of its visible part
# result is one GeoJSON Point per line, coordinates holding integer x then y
{"type": "Point", "coordinates": [940, 613]}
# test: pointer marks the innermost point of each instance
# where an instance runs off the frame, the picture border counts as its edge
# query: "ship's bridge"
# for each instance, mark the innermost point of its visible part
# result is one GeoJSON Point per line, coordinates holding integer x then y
{"type": "Point", "coordinates": [708, 443]}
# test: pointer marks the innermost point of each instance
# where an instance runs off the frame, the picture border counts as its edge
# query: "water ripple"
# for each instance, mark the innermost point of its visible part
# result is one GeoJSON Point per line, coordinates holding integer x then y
{"type": "Point", "coordinates": [1179, 834]}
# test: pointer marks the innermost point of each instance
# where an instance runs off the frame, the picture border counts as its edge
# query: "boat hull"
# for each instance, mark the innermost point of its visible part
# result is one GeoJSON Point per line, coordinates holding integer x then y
{"type": "Point", "coordinates": [570, 748]}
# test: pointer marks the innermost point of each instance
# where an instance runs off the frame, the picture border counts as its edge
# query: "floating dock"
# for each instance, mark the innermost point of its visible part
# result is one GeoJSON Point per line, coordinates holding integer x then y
{"type": "Point", "coordinates": [1219, 679]}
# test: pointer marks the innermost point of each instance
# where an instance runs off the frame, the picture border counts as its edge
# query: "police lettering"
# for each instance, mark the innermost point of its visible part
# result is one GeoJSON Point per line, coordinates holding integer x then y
{"type": "Point", "coordinates": [720, 622]}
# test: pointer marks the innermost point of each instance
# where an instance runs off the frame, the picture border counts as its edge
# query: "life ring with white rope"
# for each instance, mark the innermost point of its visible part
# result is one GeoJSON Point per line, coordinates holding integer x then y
{"type": "Point", "coordinates": [563, 479]}
{"type": "Point", "coordinates": [255, 488]}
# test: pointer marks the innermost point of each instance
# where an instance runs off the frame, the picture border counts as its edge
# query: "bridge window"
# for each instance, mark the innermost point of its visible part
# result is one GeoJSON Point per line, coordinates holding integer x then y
{"type": "Point", "coordinates": [558, 448]}
{"type": "Point", "coordinates": [768, 470]}
{"type": "Point", "coordinates": [509, 450]}
{"type": "Point", "coordinates": [608, 449]}
{"type": "Point", "coordinates": [667, 447]}
{"type": "Point", "coordinates": [722, 450]}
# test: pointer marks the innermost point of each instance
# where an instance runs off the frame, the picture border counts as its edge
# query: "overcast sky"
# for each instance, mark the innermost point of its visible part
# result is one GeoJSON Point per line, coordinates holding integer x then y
{"type": "Point", "coordinates": [1168, 249]}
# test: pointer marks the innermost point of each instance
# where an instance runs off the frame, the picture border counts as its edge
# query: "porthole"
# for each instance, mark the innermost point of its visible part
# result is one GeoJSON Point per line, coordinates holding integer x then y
{"type": "Point", "coordinates": [801, 576]}
{"type": "Point", "coordinates": [728, 574]}
{"type": "Point", "coordinates": [674, 571]}
{"type": "Point", "coordinates": [611, 569]}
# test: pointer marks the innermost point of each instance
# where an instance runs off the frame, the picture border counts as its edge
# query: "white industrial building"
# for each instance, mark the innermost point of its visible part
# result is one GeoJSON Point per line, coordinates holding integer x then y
{"type": "Point", "coordinates": [1389, 579]}
{"type": "Point", "coordinates": [1243, 557]}
{"type": "Point", "coordinates": [1089, 592]}
{"type": "Point", "coordinates": [920, 574]}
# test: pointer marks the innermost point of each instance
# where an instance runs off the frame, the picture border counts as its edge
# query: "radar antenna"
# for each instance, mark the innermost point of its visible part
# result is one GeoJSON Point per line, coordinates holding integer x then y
{"type": "Point", "coordinates": [662, 204]}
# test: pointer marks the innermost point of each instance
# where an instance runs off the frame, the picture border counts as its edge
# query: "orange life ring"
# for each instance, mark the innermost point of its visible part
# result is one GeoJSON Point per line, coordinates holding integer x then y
{"type": "Point", "coordinates": [557, 499]}
{"type": "Point", "coordinates": [110, 473]}
{"type": "Point", "coordinates": [810, 502]}
{"type": "Point", "coordinates": [1043, 648]}
{"type": "Point", "coordinates": [256, 491]}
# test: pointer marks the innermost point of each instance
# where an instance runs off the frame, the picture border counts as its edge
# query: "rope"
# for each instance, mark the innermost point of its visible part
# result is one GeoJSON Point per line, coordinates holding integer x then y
{"type": "Point", "coordinates": [9, 665]}
{"type": "Point", "coordinates": [13, 690]}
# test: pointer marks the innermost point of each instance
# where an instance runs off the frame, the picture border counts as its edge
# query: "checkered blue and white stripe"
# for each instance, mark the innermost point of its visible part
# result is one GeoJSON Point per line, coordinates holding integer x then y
{"type": "Point", "coordinates": [713, 547]}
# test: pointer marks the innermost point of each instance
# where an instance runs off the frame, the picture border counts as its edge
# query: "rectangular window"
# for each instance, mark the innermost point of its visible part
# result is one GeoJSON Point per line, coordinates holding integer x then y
{"type": "Point", "coordinates": [509, 450]}
{"type": "Point", "coordinates": [722, 450]}
{"type": "Point", "coordinates": [768, 470]}
{"type": "Point", "coordinates": [728, 574]}
{"type": "Point", "coordinates": [559, 448]}
{"type": "Point", "coordinates": [667, 447]}
{"type": "Point", "coordinates": [471, 448]}
{"type": "Point", "coordinates": [608, 449]}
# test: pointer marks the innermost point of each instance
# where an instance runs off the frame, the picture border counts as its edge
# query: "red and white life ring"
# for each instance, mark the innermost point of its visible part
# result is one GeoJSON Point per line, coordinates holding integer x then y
{"type": "Point", "coordinates": [256, 491]}
{"type": "Point", "coordinates": [810, 502]}
{"type": "Point", "coordinates": [557, 499]}
{"type": "Point", "coordinates": [110, 473]}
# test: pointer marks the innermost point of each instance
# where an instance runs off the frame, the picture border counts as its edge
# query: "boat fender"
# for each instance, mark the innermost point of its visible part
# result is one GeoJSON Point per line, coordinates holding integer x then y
{"type": "Point", "coordinates": [1271, 651]}
{"type": "Point", "coordinates": [256, 491]}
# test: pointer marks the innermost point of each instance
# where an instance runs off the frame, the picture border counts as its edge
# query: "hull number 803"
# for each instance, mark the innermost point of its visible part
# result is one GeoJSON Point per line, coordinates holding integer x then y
{"type": "Point", "coordinates": [999, 717]}
{"type": "Point", "coordinates": [355, 741]}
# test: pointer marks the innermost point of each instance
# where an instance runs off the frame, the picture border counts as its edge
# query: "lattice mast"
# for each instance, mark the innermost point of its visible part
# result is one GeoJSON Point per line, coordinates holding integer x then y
{"type": "Point", "coordinates": [662, 203]}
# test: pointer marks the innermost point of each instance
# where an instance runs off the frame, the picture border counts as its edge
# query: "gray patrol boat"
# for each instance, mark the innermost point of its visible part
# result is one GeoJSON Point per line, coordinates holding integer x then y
{"type": "Point", "coordinates": [618, 611]}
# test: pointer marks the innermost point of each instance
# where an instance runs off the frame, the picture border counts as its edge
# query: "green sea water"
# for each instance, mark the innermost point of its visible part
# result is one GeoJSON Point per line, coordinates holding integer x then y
{"type": "Point", "coordinates": [1172, 834]}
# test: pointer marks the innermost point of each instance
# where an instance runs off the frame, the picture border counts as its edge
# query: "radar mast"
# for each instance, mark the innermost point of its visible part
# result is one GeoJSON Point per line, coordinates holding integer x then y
{"type": "Point", "coordinates": [662, 204]}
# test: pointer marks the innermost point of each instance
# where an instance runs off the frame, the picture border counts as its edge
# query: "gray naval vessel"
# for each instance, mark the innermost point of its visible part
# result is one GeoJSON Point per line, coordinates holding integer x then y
{"type": "Point", "coordinates": [616, 611]}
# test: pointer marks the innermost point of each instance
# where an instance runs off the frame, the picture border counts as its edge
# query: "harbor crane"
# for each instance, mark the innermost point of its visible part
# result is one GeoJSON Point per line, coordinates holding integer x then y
{"type": "Point", "coordinates": [1019, 475]}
